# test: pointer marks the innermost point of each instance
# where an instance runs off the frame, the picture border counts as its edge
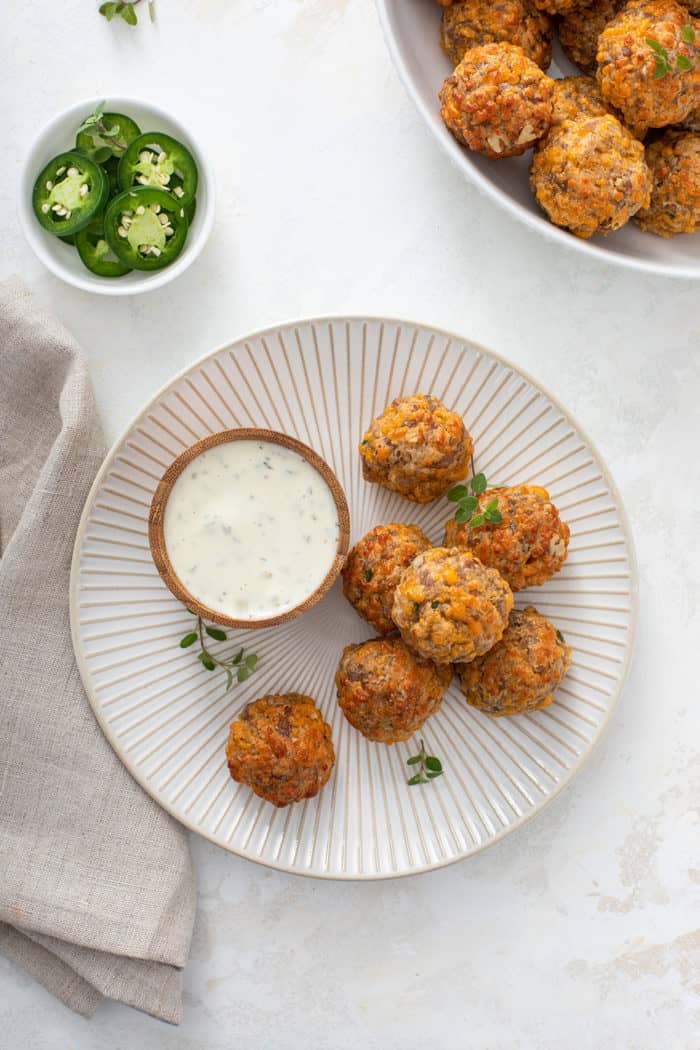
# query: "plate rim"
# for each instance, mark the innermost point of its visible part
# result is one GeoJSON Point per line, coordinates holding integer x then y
{"type": "Point", "coordinates": [352, 319]}
{"type": "Point", "coordinates": [537, 223]}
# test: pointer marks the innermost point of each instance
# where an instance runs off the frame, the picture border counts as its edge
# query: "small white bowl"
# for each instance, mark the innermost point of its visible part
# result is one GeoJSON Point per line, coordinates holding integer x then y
{"type": "Point", "coordinates": [62, 259]}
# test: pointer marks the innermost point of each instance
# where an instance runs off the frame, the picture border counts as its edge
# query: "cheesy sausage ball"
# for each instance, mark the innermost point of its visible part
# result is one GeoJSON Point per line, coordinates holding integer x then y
{"type": "Point", "coordinates": [281, 748]}
{"type": "Point", "coordinates": [497, 101]}
{"type": "Point", "coordinates": [449, 607]}
{"type": "Point", "coordinates": [522, 671]}
{"type": "Point", "coordinates": [576, 97]}
{"type": "Point", "coordinates": [692, 121]}
{"type": "Point", "coordinates": [579, 31]}
{"type": "Point", "coordinates": [528, 547]}
{"type": "Point", "coordinates": [417, 448]}
{"type": "Point", "coordinates": [386, 691]}
{"type": "Point", "coordinates": [558, 7]}
{"type": "Point", "coordinates": [374, 566]}
{"type": "Point", "coordinates": [674, 160]}
{"type": "Point", "coordinates": [590, 175]}
{"type": "Point", "coordinates": [476, 22]}
{"type": "Point", "coordinates": [627, 66]}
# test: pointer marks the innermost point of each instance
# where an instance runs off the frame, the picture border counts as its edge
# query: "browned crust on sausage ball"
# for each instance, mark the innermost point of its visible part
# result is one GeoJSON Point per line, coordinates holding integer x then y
{"type": "Point", "coordinates": [386, 691]}
{"type": "Point", "coordinates": [497, 101]}
{"type": "Point", "coordinates": [522, 671]}
{"type": "Point", "coordinates": [558, 7]}
{"type": "Point", "coordinates": [281, 747]}
{"type": "Point", "coordinates": [476, 22]}
{"type": "Point", "coordinates": [374, 566]}
{"type": "Point", "coordinates": [627, 65]}
{"type": "Point", "coordinates": [674, 160]}
{"type": "Point", "coordinates": [417, 448]}
{"type": "Point", "coordinates": [580, 29]}
{"type": "Point", "coordinates": [590, 175]}
{"type": "Point", "coordinates": [528, 547]}
{"type": "Point", "coordinates": [449, 607]}
{"type": "Point", "coordinates": [576, 97]}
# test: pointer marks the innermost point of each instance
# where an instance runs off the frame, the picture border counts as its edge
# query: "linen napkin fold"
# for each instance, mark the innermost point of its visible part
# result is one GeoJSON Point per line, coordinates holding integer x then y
{"type": "Point", "coordinates": [97, 893]}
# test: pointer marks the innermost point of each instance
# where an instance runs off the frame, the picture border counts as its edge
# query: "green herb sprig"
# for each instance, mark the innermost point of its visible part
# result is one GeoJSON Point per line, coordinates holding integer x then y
{"type": "Point", "coordinates": [430, 767]}
{"type": "Point", "coordinates": [468, 512]}
{"type": "Point", "coordinates": [99, 129]}
{"type": "Point", "coordinates": [126, 9]}
{"type": "Point", "coordinates": [662, 59]}
{"type": "Point", "coordinates": [242, 665]}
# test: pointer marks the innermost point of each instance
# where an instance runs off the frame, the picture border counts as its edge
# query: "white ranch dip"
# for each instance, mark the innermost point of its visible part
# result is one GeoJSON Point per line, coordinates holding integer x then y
{"type": "Point", "coordinates": [251, 529]}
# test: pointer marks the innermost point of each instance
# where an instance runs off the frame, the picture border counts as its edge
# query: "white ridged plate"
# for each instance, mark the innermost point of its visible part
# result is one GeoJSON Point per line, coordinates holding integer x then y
{"type": "Point", "coordinates": [167, 717]}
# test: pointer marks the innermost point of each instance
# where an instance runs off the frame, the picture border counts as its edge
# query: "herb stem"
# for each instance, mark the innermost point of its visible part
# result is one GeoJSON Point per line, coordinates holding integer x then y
{"type": "Point", "coordinates": [202, 644]}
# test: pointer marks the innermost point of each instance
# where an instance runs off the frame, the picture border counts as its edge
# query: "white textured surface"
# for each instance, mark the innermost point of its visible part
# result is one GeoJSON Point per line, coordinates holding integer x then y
{"type": "Point", "coordinates": [334, 198]}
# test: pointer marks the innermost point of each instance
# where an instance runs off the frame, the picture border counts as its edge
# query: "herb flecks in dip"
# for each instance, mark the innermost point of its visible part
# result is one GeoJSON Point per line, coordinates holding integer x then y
{"type": "Point", "coordinates": [251, 529]}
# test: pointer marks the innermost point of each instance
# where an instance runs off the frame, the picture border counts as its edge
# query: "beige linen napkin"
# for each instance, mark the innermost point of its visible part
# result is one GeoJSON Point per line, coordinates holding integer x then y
{"type": "Point", "coordinates": [96, 889]}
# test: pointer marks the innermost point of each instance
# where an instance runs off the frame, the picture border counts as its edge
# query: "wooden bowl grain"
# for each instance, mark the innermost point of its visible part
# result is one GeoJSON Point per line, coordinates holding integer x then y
{"type": "Point", "coordinates": [156, 520]}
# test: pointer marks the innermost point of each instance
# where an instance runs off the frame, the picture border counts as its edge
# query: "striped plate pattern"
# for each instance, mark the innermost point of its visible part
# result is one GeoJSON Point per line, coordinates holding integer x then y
{"type": "Point", "coordinates": [167, 717]}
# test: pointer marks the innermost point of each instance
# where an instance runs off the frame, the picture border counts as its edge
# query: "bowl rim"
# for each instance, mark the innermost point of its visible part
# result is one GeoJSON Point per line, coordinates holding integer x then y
{"type": "Point", "coordinates": [156, 524]}
{"type": "Point", "coordinates": [37, 238]}
{"type": "Point", "coordinates": [538, 223]}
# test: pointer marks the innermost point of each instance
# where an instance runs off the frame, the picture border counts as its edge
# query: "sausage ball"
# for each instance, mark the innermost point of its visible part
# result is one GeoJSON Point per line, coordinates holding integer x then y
{"type": "Point", "coordinates": [476, 22]}
{"type": "Point", "coordinates": [692, 121]}
{"type": "Point", "coordinates": [386, 691]}
{"type": "Point", "coordinates": [528, 547]}
{"type": "Point", "coordinates": [674, 160]}
{"type": "Point", "coordinates": [627, 66]}
{"type": "Point", "coordinates": [497, 101]}
{"type": "Point", "coordinates": [558, 7]}
{"type": "Point", "coordinates": [417, 448]}
{"type": "Point", "coordinates": [590, 175]}
{"type": "Point", "coordinates": [579, 31]}
{"type": "Point", "coordinates": [374, 566]}
{"type": "Point", "coordinates": [449, 607]}
{"type": "Point", "coordinates": [281, 748]}
{"type": "Point", "coordinates": [522, 671]}
{"type": "Point", "coordinates": [576, 97]}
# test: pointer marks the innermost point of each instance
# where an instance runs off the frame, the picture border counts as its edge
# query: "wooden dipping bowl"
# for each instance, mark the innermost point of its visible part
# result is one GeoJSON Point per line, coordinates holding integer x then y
{"type": "Point", "coordinates": [157, 516]}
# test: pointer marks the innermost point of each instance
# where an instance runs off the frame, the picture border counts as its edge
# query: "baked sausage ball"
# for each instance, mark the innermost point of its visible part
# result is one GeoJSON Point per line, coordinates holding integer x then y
{"type": "Point", "coordinates": [558, 7]}
{"type": "Point", "coordinates": [577, 97]}
{"type": "Point", "coordinates": [590, 175]}
{"type": "Point", "coordinates": [627, 66]}
{"type": "Point", "coordinates": [579, 31]}
{"type": "Point", "coordinates": [417, 448]}
{"type": "Point", "coordinates": [674, 160]}
{"type": "Point", "coordinates": [476, 22]}
{"type": "Point", "coordinates": [373, 569]}
{"type": "Point", "coordinates": [692, 121]}
{"type": "Point", "coordinates": [528, 547]}
{"type": "Point", "coordinates": [386, 691]}
{"type": "Point", "coordinates": [281, 748]}
{"type": "Point", "coordinates": [449, 607]}
{"type": "Point", "coordinates": [497, 101]}
{"type": "Point", "coordinates": [522, 671]}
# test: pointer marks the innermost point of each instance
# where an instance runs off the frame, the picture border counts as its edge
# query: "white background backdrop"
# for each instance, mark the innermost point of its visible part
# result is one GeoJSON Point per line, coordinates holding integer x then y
{"type": "Point", "coordinates": [577, 931]}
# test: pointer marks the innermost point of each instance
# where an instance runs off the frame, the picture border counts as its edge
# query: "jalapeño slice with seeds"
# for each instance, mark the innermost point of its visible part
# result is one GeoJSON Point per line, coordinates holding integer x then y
{"type": "Point", "coordinates": [155, 159]}
{"type": "Point", "coordinates": [145, 228]}
{"type": "Point", "coordinates": [108, 137]}
{"type": "Point", "coordinates": [68, 193]}
{"type": "Point", "coordinates": [96, 255]}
